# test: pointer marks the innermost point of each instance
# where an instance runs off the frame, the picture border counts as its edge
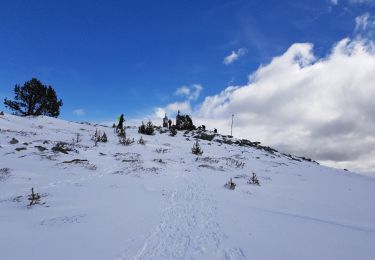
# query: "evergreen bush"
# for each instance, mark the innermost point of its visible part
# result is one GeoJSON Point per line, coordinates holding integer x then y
{"type": "Point", "coordinates": [147, 129]}
{"type": "Point", "coordinates": [254, 180]}
{"type": "Point", "coordinates": [197, 149]}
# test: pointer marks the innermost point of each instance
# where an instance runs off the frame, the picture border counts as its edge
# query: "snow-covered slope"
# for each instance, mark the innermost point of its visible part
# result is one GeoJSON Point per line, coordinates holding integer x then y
{"type": "Point", "coordinates": [159, 201]}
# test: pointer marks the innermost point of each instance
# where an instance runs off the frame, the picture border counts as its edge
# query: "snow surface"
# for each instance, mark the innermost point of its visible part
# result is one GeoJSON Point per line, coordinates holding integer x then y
{"type": "Point", "coordinates": [158, 201]}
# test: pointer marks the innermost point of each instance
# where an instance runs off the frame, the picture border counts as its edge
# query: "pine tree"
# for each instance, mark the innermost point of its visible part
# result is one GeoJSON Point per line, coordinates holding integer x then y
{"type": "Point", "coordinates": [197, 149]}
{"type": "Point", "coordinates": [147, 129]}
{"type": "Point", "coordinates": [254, 180]}
{"type": "Point", "coordinates": [34, 99]}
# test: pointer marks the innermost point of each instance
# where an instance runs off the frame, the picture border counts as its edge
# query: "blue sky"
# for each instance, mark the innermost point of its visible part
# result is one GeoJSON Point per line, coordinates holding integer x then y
{"type": "Point", "coordinates": [111, 57]}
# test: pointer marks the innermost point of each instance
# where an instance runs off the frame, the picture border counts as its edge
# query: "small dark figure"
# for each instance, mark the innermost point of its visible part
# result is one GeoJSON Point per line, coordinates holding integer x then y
{"type": "Point", "coordinates": [203, 127]}
{"type": "Point", "coordinates": [215, 130]}
{"type": "Point", "coordinates": [120, 122]}
{"type": "Point", "coordinates": [169, 124]}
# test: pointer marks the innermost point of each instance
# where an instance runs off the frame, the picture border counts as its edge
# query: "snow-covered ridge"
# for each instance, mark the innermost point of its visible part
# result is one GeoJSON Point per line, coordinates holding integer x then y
{"type": "Point", "coordinates": [159, 201]}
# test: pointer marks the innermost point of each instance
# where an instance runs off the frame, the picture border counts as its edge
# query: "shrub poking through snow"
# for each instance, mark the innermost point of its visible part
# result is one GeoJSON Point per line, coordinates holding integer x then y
{"type": "Point", "coordinates": [196, 149]}
{"type": "Point", "coordinates": [254, 180]}
{"type": "Point", "coordinates": [161, 150]}
{"type": "Point", "coordinates": [121, 132]}
{"type": "Point", "coordinates": [147, 129]}
{"type": "Point", "coordinates": [4, 174]}
{"type": "Point", "coordinates": [96, 137]}
{"type": "Point", "coordinates": [142, 128]}
{"type": "Point", "coordinates": [141, 141]}
{"type": "Point", "coordinates": [99, 137]}
{"type": "Point", "coordinates": [172, 131]}
{"type": "Point", "coordinates": [62, 147]}
{"type": "Point", "coordinates": [34, 198]}
{"type": "Point", "coordinates": [126, 141]}
{"type": "Point", "coordinates": [77, 139]}
{"type": "Point", "coordinates": [123, 139]}
{"type": "Point", "coordinates": [230, 185]}
{"type": "Point", "coordinates": [104, 138]}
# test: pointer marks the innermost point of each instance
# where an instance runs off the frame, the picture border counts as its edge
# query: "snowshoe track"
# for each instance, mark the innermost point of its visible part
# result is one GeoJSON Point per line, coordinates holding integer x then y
{"type": "Point", "coordinates": [188, 229]}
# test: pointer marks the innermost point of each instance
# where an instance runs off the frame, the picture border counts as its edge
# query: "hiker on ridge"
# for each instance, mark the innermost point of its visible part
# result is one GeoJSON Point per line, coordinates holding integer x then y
{"type": "Point", "coordinates": [120, 122]}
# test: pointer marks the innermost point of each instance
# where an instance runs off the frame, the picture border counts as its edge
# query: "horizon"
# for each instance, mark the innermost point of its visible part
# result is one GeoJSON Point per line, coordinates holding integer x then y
{"type": "Point", "coordinates": [298, 76]}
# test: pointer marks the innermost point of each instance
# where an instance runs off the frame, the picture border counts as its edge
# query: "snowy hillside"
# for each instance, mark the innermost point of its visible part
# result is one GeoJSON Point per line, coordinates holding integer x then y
{"type": "Point", "coordinates": [159, 201]}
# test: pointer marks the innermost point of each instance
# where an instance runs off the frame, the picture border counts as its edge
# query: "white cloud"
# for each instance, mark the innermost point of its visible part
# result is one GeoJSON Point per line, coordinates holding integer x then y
{"type": "Point", "coordinates": [179, 106]}
{"type": "Point", "coordinates": [79, 112]}
{"type": "Point", "coordinates": [235, 55]}
{"type": "Point", "coordinates": [173, 108]}
{"type": "Point", "coordinates": [189, 93]}
{"type": "Point", "coordinates": [365, 27]}
{"type": "Point", "coordinates": [321, 108]}
{"type": "Point", "coordinates": [364, 23]}
{"type": "Point", "coordinates": [183, 91]}
{"type": "Point", "coordinates": [197, 88]}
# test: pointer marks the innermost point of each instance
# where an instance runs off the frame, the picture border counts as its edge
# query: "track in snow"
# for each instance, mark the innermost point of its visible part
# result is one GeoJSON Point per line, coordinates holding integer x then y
{"type": "Point", "coordinates": [188, 229]}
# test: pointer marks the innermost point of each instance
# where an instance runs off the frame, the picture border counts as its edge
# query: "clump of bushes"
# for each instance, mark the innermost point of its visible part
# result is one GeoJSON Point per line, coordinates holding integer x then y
{"type": "Point", "coordinates": [126, 141]}
{"type": "Point", "coordinates": [172, 131]}
{"type": "Point", "coordinates": [99, 137]}
{"type": "Point", "coordinates": [123, 139]}
{"type": "Point", "coordinates": [62, 147]}
{"type": "Point", "coordinates": [197, 150]}
{"type": "Point", "coordinates": [230, 185]}
{"type": "Point", "coordinates": [147, 129]}
{"type": "Point", "coordinates": [254, 180]}
{"type": "Point", "coordinates": [184, 122]}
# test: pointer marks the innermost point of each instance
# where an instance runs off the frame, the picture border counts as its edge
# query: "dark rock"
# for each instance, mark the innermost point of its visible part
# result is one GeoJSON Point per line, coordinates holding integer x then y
{"type": "Point", "coordinates": [40, 148]}
{"type": "Point", "coordinates": [13, 141]}
{"type": "Point", "coordinates": [75, 161]}
{"type": "Point", "coordinates": [205, 136]}
{"type": "Point", "coordinates": [61, 147]}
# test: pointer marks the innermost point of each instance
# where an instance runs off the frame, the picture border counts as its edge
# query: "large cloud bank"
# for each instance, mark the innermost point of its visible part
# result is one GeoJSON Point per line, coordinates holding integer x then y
{"type": "Point", "coordinates": [322, 108]}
